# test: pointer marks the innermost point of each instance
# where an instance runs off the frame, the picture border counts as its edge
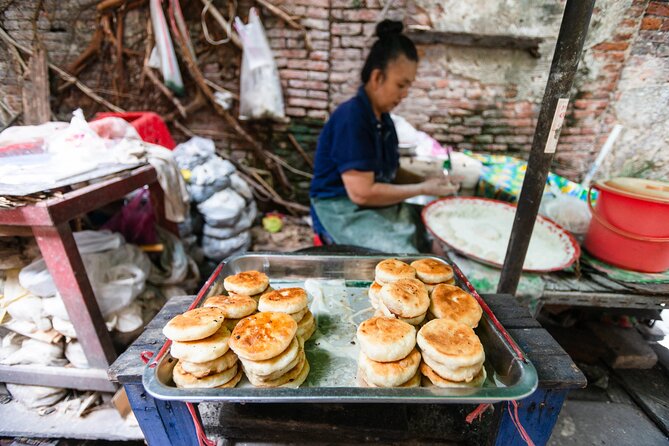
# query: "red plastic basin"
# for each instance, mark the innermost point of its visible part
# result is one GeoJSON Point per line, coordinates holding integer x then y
{"type": "Point", "coordinates": [630, 225]}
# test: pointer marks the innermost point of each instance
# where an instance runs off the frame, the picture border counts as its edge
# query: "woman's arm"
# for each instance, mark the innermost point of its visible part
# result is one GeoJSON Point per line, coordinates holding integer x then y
{"type": "Point", "coordinates": [363, 191]}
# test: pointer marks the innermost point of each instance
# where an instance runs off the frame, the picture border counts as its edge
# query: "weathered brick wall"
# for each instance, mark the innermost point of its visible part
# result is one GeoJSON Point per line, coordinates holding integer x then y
{"type": "Point", "coordinates": [641, 102]}
{"type": "Point", "coordinates": [484, 99]}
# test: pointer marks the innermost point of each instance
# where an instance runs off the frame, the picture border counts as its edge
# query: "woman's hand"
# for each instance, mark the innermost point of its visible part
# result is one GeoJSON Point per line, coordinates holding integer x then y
{"type": "Point", "coordinates": [439, 186]}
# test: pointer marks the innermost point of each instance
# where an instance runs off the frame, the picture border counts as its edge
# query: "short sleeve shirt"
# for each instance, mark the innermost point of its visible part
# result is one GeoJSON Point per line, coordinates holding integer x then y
{"type": "Point", "coordinates": [354, 139]}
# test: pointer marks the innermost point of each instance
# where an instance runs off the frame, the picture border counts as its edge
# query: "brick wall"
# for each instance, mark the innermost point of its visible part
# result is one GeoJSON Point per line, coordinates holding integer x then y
{"type": "Point", "coordinates": [641, 102]}
{"type": "Point", "coordinates": [489, 111]}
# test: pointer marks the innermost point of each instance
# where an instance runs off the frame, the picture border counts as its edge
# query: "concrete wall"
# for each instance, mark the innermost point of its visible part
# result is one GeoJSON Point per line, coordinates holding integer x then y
{"type": "Point", "coordinates": [485, 99]}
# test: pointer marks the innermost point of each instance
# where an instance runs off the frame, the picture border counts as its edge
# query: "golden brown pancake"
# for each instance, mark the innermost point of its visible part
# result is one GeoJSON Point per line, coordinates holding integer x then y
{"type": "Point", "coordinates": [306, 326]}
{"type": "Point", "coordinates": [432, 378]}
{"type": "Point", "coordinates": [452, 302]}
{"type": "Point", "coordinates": [374, 294]}
{"type": "Point", "coordinates": [285, 300]}
{"type": "Point", "coordinates": [235, 306]}
{"type": "Point", "coordinates": [406, 298]}
{"type": "Point", "coordinates": [195, 324]}
{"type": "Point", "coordinates": [291, 375]}
{"type": "Point", "coordinates": [389, 374]}
{"type": "Point", "coordinates": [465, 373]}
{"type": "Point", "coordinates": [202, 350]}
{"type": "Point", "coordinates": [188, 381]}
{"type": "Point", "coordinates": [391, 270]}
{"type": "Point", "coordinates": [233, 382]}
{"type": "Point", "coordinates": [432, 271]}
{"type": "Point", "coordinates": [271, 365]}
{"type": "Point", "coordinates": [450, 343]}
{"type": "Point", "coordinates": [247, 283]}
{"type": "Point", "coordinates": [384, 311]}
{"type": "Point", "coordinates": [414, 381]}
{"type": "Point", "coordinates": [202, 369]}
{"type": "Point", "coordinates": [263, 335]}
{"type": "Point", "coordinates": [385, 339]}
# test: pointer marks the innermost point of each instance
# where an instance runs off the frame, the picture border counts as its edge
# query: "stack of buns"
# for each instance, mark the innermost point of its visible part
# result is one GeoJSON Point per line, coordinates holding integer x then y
{"type": "Point", "coordinates": [397, 293]}
{"type": "Point", "coordinates": [433, 272]}
{"type": "Point", "coordinates": [234, 307]}
{"type": "Point", "coordinates": [270, 352]}
{"type": "Point", "coordinates": [452, 355]}
{"type": "Point", "coordinates": [294, 302]}
{"type": "Point", "coordinates": [247, 283]}
{"type": "Point", "coordinates": [388, 356]}
{"type": "Point", "coordinates": [200, 343]}
{"type": "Point", "coordinates": [385, 272]}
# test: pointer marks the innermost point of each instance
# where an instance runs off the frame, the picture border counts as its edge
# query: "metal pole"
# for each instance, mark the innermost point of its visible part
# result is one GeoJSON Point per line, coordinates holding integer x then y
{"type": "Point", "coordinates": [573, 30]}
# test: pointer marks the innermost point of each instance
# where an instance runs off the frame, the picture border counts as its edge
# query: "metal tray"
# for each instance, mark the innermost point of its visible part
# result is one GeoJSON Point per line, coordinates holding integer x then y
{"type": "Point", "coordinates": [337, 287]}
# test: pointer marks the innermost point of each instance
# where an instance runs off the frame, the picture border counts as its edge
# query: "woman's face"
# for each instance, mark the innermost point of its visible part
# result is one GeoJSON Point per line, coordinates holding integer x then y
{"type": "Point", "coordinates": [386, 90]}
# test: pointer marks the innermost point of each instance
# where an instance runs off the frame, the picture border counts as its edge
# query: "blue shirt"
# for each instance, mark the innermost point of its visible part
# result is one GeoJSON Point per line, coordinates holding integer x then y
{"type": "Point", "coordinates": [354, 139]}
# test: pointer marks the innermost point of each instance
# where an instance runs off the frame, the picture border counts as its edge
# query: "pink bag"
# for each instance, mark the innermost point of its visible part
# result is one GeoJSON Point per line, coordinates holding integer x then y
{"type": "Point", "coordinates": [136, 221]}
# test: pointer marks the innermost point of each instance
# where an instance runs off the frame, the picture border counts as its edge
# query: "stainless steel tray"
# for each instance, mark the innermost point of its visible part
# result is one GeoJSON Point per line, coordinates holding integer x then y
{"type": "Point", "coordinates": [337, 287]}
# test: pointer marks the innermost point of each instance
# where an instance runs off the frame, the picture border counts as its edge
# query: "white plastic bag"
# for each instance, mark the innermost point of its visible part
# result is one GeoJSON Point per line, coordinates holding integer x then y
{"type": "Point", "coordinates": [129, 318]}
{"type": "Point", "coordinates": [260, 93]}
{"type": "Point", "coordinates": [218, 249]}
{"type": "Point", "coordinates": [168, 59]}
{"type": "Point", "coordinates": [241, 187]}
{"type": "Point", "coordinates": [74, 353]}
{"type": "Point", "coordinates": [33, 351]}
{"type": "Point", "coordinates": [244, 222]}
{"type": "Point", "coordinates": [208, 178]}
{"type": "Point", "coordinates": [194, 152]}
{"type": "Point", "coordinates": [569, 212]}
{"type": "Point", "coordinates": [36, 396]}
{"type": "Point", "coordinates": [223, 208]}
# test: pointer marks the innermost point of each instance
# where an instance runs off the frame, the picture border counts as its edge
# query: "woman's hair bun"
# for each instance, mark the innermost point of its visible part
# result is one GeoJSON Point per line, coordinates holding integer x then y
{"type": "Point", "coordinates": [388, 28]}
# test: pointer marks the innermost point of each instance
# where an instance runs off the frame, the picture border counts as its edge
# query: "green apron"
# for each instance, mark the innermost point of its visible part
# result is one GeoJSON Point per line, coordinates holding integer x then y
{"type": "Point", "coordinates": [391, 229]}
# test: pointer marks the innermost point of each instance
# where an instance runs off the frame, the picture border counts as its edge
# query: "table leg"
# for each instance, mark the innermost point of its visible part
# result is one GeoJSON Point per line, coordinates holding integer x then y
{"type": "Point", "coordinates": [67, 270]}
{"type": "Point", "coordinates": [162, 422]}
{"type": "Point", "coordinates": [537, 414]}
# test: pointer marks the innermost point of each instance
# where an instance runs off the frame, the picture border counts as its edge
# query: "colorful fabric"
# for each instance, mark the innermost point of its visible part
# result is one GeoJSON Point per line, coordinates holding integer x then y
{"type": "Point", "coordinates": [502, 178]}
{"type": "Point", "coordinates": [624, 275]}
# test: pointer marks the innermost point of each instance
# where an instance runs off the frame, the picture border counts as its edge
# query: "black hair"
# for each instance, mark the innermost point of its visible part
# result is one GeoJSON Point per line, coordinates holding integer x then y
{"type": "Point", "coordinates": [390, 45]}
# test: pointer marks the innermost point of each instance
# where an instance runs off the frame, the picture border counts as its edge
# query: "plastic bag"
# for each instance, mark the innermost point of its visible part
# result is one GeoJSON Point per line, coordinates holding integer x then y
{"type": "Point", "coordinates": [136, 220]}
{"type": "Point", "coordinates": [223, 208]}
{"type": "Point", "coordinates": [174, 265]}
{"type": "Point", "coordinates": [241, 187]}
{"type": "Point", "coordinates": [30, 309]}
{"type": "Point", "coordinates": [569, 212]}
{"type": "Point", "coordinates": [74, 353]}
{"type": "Point", "coordinates": [10, 344]}
{"type": "Point", "coordinates": [64, 327]}
{"type": "Point", "coordinates": [219, 249]}
{"type": "Point", "coordinates": [209, 177]}
{"type": "Point", "coordinates": [114, 128]}
{"type": "Point", "coordinates": [168, 59]}
{"type": "Point", "coordinates": [33, 351]}
{"type": "Point", "coordinates": [194, 152]}
{"type": "Point", "coordinates": [129, 318]}
{"type": "Point", "coordinates": [260, 93]}
{"type": "Point", "coordinates": [244, 222]}
{"type": "Point", "coordinates": [36, 396]}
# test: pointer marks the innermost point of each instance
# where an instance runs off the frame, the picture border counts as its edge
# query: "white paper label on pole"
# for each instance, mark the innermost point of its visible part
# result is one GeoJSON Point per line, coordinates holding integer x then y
{"type": "Point", "coordinates": [556, 126]}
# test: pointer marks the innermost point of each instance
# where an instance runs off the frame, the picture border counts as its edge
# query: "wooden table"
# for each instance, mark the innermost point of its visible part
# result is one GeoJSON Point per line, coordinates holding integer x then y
{"type": "Point", "coordinates": [168, 422]}
{"type": "Point", "coordinates": [593, 289]}
{"type": "Point", "coordinates": [49, 221]}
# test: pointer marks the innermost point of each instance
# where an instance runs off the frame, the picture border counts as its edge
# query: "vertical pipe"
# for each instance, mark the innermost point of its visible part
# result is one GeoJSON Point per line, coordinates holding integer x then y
{"type": "Point", "coordinates": [573, 30]}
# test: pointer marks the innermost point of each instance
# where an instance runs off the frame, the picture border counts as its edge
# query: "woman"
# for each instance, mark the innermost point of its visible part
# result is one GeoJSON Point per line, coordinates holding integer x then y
{"type": "Point", "coordinates": [355, 195]}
